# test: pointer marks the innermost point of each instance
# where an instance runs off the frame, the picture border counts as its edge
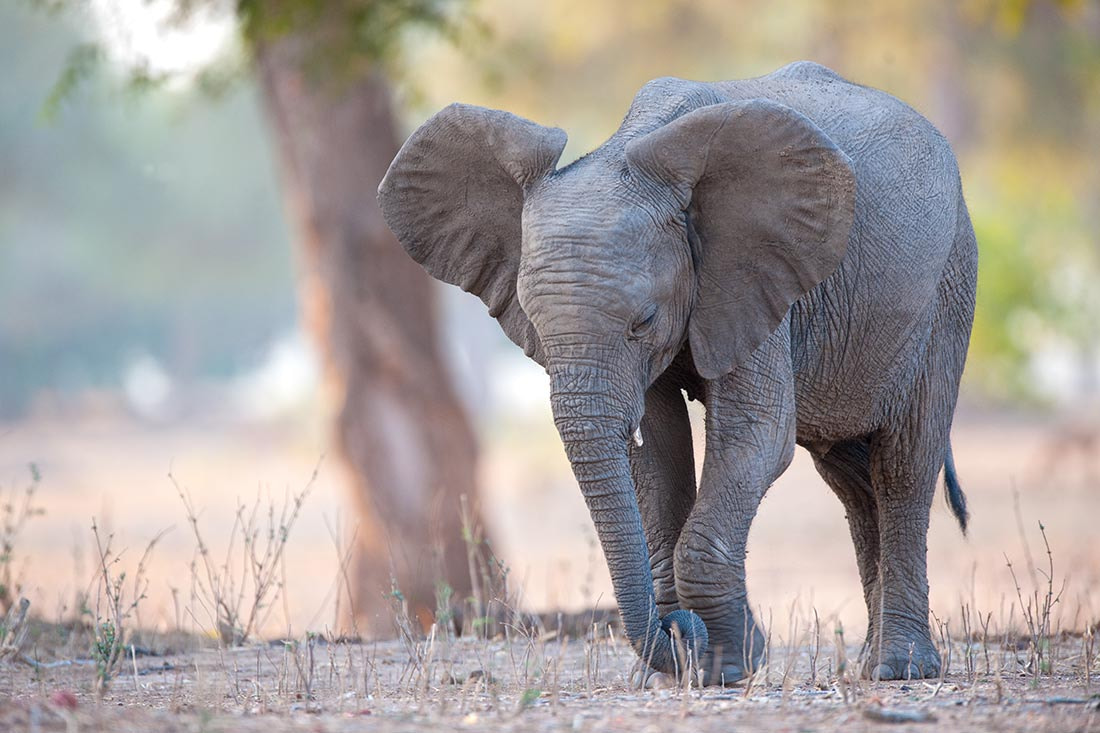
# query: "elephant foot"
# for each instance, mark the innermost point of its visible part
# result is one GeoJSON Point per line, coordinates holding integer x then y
{"type": "Point", "coordinates": [902, 661]}
{"type": "Point", "coordinates": [645, 677]}
{"type": "Point", "coordinates": [727, 664]}
{"type": "Point", "coordinates": [724, 675]}
{"type": "Point", "coordinates": [724, 671]}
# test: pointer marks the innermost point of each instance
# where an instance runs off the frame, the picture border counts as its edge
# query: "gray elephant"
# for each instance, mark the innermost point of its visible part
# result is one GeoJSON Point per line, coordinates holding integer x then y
{"type": "Point", "coordinates": [792, 250]}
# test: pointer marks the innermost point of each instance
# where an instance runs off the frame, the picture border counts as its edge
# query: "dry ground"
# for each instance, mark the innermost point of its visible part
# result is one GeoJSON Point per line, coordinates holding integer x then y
{"type": "Point", "coordinates": [1017, 472]}
{"type": "Point", "coordinates": [533, 683]}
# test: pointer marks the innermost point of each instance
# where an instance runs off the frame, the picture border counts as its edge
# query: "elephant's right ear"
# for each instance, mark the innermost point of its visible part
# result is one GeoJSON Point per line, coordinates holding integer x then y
{"type": "Point", "coordinates": [454, 198]}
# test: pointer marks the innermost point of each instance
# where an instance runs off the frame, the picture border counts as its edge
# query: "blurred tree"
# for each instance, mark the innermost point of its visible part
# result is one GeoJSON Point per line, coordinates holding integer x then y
{"type": "Point", "coordinates": [400, 427]}
{"type": "Point", "coordinates": [402, 432]}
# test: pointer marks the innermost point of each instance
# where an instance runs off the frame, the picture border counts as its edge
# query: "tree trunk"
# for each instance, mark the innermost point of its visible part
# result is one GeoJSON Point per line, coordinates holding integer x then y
{"type": "Point", "coordinates": [403, 435]}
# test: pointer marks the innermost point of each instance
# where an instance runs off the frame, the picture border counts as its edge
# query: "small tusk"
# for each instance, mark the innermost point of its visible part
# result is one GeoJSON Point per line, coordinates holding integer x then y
{"type": "Point", "coordinates": [638, 436]}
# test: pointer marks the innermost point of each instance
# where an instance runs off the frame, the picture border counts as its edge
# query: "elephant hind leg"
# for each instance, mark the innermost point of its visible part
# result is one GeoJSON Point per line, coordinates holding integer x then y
{"type": "Point", "coordinates": [904, 467]}
{"type": "Point", "coordinates": [905, 463]}
{"type": "Point", "coordinates": [846, 468]}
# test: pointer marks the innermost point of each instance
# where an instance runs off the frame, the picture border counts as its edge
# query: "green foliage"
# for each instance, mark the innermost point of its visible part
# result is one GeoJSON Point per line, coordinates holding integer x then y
{"type": "Point", "coordinates": [529, 697]}
{"type": "Point", "coordinates": [106, 648]}
{"type": "Point", "coordinates": [79, 67]}
{"type": "Point", "coordinates": [444, 611]}
{"type": "Point", "coordinates": [345, 37]}
{"type": "Point", "coordinates": [152, 207]}
{"type": "Point", "coordinates": [355, 32]}
{"type": "Point", "coordinates": [1010, 294]}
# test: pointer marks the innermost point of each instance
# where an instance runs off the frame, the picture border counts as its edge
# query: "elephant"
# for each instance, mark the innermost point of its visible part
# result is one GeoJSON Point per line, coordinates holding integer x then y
{"type": "Point", "coordinates": [793, 251]}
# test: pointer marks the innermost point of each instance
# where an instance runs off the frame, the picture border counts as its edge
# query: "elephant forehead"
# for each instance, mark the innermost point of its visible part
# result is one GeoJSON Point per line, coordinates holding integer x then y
{"type": "Point", "coordinates": [576, 277]}
{"type": "Point", "coordinates": [572, 265]}
{"type": "Point", "coordinates": [592, 249]}
{"type": "Point", "coordinates": [598, 222]}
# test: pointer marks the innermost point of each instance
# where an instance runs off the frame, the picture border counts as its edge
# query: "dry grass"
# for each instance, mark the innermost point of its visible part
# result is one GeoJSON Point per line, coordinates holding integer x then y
{"type": "Point", "coordinates": [542, 681]}
{"type": "Point", "coordinates": [1013, 673]}
{"type": "Point", "coordinates": [1017, 636]}
{"type": "Point", "coordinates": [237, 594]}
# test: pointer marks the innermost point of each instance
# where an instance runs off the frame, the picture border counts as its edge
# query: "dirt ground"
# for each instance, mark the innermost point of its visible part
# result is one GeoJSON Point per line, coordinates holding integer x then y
{"type": "Point", "coordinates": [1018, 472]}
{"type": "Point", "coordinates": [533, 683]}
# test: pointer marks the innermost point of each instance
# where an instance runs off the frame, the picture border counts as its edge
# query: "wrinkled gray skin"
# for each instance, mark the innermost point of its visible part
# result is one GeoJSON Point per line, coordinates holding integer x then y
{"type": "Point", "coordinates": [794, 251]}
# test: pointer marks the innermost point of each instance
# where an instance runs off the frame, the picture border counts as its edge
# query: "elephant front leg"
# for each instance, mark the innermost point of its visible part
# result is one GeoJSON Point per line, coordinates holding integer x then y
{"type": "Point", "coordinates": [663, 468]}
{"type": "Point", "coordinates": [750, 442]}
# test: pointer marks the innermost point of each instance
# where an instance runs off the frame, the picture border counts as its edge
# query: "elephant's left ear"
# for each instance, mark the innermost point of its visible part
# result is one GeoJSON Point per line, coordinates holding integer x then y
{"type": "Point", "coordinates": [454, 198]}
{"type": "Point", "coordinates": [771, 199]}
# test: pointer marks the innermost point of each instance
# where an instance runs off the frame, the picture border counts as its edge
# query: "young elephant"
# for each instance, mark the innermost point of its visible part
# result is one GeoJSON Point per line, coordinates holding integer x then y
{"type": "Point", "coordinates": [794, 251]}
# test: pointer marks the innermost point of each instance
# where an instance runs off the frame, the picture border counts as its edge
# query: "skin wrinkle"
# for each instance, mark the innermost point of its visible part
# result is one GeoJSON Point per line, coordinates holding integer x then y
{"type": "Point", "coordinates": [862, 368]}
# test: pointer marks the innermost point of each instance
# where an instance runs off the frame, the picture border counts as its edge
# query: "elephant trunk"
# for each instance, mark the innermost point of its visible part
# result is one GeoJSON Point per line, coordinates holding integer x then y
{"type": "Point", "coordinates": [595, 423]}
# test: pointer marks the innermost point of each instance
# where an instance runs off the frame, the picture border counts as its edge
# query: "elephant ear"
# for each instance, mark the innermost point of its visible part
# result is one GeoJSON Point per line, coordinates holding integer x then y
{"type": "Point", "coordinates": [454, 198]}
{"type": "Point", "coordinates": [771, 200]}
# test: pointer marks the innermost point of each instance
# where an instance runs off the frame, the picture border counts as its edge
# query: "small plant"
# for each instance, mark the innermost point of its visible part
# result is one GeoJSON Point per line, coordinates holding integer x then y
{"type": "Point", "coordinates": [106, 647]}
{"type": "Point", "coordinates": [15, 511]}
{"type": "Point", "coordinates": [114, 606]}
{"type": "Point", "coordinates": [815, 648]}
{"type": "Point", "coordinates": [239, 593]}
{"type": "Point", "coordinates": [1088, 647]}
{"type": "Point", "coordinates": [406, 626]}
{"type": "Point", "coordinates": [1036, 610]}
{"type": "Point", "coordinates": [492, 602]}
{"type": "Point", "coordinates": [843, 679]}
{"type": "Point", "coordinates": [444, 612]}
{"type": "Point", "coordinates": [528, 698]}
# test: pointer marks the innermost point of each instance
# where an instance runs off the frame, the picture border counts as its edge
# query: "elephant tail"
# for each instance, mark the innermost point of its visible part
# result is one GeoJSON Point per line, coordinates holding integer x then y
{"type": "Point", "coordinates": [956, 499]}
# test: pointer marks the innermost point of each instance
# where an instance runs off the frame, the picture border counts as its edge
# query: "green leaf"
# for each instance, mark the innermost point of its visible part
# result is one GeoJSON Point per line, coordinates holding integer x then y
{"type": "Point", "coordinates": [79, 66]}
{"type": "Point", "coordinates": [529, 696]}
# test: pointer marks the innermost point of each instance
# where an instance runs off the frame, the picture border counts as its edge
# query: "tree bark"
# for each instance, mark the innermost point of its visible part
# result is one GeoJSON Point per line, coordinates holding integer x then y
{"type": "Point", "coordinates": [401, 432]}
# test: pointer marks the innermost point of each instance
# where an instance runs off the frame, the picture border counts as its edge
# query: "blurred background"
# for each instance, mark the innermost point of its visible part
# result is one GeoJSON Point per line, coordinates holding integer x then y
{"type": "Point", "coordinates": [194, 279]}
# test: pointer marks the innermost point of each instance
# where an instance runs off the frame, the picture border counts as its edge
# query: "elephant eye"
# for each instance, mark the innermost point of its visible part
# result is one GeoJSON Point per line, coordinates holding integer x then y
{"type": "Point", "coordinates": [644, 322]}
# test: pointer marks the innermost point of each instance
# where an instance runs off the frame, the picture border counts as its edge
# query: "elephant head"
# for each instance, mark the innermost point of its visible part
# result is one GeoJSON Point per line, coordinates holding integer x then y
{"type": "Point", "coordinates": [699, 233]}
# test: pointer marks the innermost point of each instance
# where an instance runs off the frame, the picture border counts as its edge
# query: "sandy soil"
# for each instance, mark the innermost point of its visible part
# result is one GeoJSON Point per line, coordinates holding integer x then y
{"type": "Point", "coordinates": [529, 684]}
